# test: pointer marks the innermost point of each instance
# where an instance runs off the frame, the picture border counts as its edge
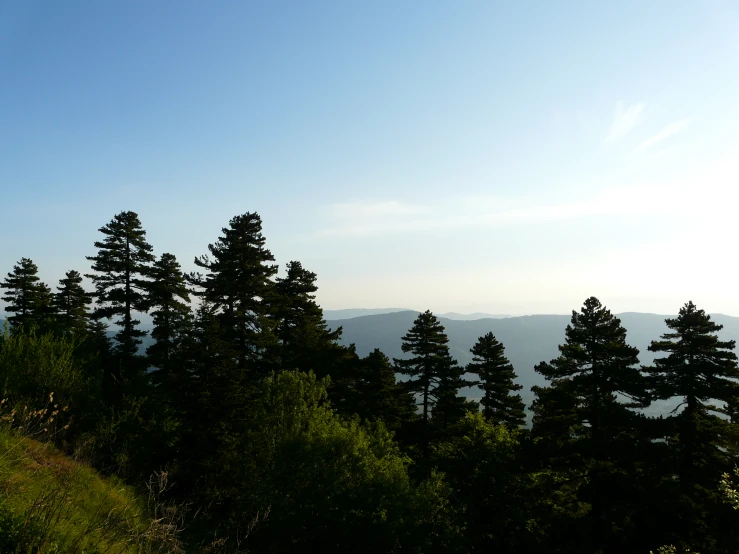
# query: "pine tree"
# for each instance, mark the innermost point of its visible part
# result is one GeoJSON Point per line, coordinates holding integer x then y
{"type": "Point", "coordinates": [27, 297]}
{"type": "Point", "coordinates": [598, 364]}
{"type": "Point", "coordinates": [436, 376]}
{"type": "Point", "coordinates": [582, 412]}
{"type": "Point", "coordinates": [169, 298]}
{"type": "Point", "coordinates": [122, 262]}
{"type": "Point", "coordinates": [98, 345]}
{"type": "Point", "coordinates": [427, 342]}
{"type": "Point", "coordinates": [450, 406]}
{"type": "Point", "coordinates": [211, 396]}
{"type": "Point", "coordinates": [496, 376]}
{"type": "Point", "coordinates": [305, 342]}
{"type": "Point", "coordinates": [45, 311]}
{"type": "Point", "coordinates": [700, 370]}
{"type": "Point", "coordinates": [71, 304]}
{"type": "Point", "coordinates": [378, 396]}
{"type": "Point", "coordinates": [237, 282]}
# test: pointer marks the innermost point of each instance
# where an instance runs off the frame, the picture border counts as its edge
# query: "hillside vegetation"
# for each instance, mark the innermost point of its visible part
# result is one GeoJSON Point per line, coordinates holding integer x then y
{"type": "Point", "coordinates": [51, 503]}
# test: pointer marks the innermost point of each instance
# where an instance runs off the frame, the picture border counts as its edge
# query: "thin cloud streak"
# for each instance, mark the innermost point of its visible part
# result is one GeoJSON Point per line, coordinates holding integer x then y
{"type": "Point", "coordinates": [624, 120]}
{"type": "Point", "coordinates": [668, 131]}
{"type": "Point", "coordinates": [438, 218]}
{"type": "Point", "coordinates": [713, 201]}
{"type": "Point", "coordinates": [677, 199]}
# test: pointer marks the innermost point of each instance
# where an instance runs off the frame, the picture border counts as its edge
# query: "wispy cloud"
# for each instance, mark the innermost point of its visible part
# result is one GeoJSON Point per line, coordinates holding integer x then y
{"type": "Point", "coordinates": [624, 120]}
{"type": "Point", "coordinates": [382, 218]}
{"type": "Point", "coordinates": [668, 131]}
{"type": "Point", "coordinates": [715, 199]}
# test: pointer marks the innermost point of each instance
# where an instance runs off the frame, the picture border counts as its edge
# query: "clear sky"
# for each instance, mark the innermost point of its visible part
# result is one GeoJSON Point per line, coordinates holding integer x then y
{"type": "Point", "coordinates": [508, 157]}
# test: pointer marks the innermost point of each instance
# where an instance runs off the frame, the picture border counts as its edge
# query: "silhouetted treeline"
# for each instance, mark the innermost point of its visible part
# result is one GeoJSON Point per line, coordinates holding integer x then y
{"type": "Point", "coordinates": [279, 439]}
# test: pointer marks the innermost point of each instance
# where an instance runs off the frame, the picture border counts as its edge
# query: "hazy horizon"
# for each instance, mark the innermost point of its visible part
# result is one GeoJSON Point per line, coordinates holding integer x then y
{"type": "Point", "coordinates": [439, 313]}
{"type": "Point", "coordinates": [147, 323]}
{"type": "Point", "coordinates": [480, 157]}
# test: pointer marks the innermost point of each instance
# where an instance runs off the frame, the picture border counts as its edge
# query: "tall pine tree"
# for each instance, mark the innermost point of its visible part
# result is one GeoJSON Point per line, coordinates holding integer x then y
{"type": "Point", "coordinates": [594, 382]}
{"type": "Point", "coordinates": [427, 342]}
{"type": "Point", "coordinates": [237, 284]}
{"type": "Point", "coordinates": [699, 371]}
{"type": "Point", "coordinates": [435, 376]}
{"type": "Point", "coordinates": [305, 342]}
{"type": "Point", "coordinates": [121, 265]}
{"type": "Point", "coordinates": [496, 376]}
{"type": "Point", "coordinates": [168, 297]}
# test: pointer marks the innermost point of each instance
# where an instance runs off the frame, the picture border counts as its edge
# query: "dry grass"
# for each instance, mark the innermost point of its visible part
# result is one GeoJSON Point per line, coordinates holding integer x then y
{"type": "Point", "coordinates": [54, 504]}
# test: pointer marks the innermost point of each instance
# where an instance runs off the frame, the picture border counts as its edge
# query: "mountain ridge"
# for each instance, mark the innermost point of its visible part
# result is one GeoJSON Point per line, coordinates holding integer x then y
{"type": "Point", "coordinates": [528, 340]}
{"type": "Point", "coordinates": [350, 313]}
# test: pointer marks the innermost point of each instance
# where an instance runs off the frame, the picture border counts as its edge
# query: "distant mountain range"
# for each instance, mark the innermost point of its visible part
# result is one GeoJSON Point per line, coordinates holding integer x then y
{"type": "Point", "coordinates": [528, 340]}
{"type": "Point", "coordinates": [333, 315]}
{"type": "Point", "coordinates": [475, 315]}
{"type": "Point", "coordinates": [330, 315]}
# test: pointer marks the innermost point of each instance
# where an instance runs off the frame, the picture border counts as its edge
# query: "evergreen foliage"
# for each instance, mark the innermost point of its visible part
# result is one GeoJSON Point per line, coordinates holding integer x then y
{"type": "Point", "coordinates": [699, 370]}
{"type": "Point", "coordinates": [97, 341]}
{"type": "Point", "coordinates": [496, 376]}
{"type": "Point", "coordinates": [209, 398]}
{"type": "Point", "coordinates": [71, 304]}
{"type": "Point", "coordinates": [450, 405]}
{"type": "Point", "coordinates": [237, 284]}
{"type": "Point", "coordinates": [435, 376]}
{"type": "Point", "coordinates": [28, 298]}
{"type": "Point", "coordinates": [507, 508]}
{"type": "Point", "coordinates": [168, 297]}
{"type": "Point", "coordinates": [121, 266]}
{"type": "Point", "coordinates": [378, 396]}
{"type": "Point", "coordinates": [583, 418]}
{"type": "Point", "coordinates": [305, 341]}
{"type": "Point", "coordinates": [45, 312]}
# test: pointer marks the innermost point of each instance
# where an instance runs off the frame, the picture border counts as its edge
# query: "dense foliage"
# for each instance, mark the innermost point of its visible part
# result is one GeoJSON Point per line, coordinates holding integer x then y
{"type": "Point", "coordinates": [276, 438]}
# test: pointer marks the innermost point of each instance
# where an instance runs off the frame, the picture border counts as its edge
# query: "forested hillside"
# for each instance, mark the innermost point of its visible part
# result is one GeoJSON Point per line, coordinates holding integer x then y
{"type": "Point", "coordinates": [269, 430]}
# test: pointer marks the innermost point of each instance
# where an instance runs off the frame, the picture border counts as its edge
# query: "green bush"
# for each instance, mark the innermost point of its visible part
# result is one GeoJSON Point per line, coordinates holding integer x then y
{"type": "Point", "coordinates": [33, 365]}
{"type": "Point", "coordinates": [308, 479]}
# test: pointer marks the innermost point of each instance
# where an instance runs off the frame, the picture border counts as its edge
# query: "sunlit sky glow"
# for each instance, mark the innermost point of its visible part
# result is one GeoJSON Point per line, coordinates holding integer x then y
{"type": "Point", "coordinates": [458, 156]}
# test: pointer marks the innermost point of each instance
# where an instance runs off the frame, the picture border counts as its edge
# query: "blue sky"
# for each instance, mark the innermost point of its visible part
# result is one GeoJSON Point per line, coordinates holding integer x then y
{"type": "Point", "coordinates": [467, 156]}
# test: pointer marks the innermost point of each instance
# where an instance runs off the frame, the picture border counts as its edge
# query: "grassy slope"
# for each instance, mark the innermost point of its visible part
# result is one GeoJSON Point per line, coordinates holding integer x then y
{"type": "Point", "coordinates": [63, 505]}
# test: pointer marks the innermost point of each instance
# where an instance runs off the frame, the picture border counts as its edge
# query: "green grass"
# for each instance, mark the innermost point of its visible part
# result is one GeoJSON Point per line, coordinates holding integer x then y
{"type": "Point", "coordinates": [50, 503]}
